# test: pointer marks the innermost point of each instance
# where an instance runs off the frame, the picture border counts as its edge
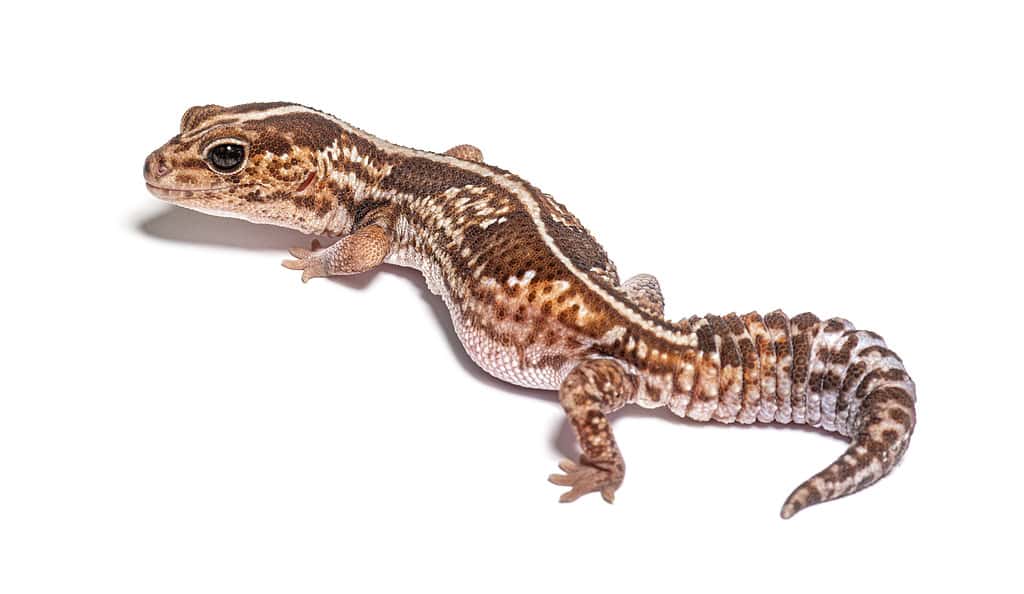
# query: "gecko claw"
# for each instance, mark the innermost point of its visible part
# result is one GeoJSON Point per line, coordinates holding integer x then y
{"type": "Point", "coordinates": [585, 478]}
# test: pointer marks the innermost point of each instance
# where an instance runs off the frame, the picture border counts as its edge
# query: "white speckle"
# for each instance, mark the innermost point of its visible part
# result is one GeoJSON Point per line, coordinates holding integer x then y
{"type": "Point", "coordinates": [527, 277]}
{"type": "Point", "coordinates": [614, 334]}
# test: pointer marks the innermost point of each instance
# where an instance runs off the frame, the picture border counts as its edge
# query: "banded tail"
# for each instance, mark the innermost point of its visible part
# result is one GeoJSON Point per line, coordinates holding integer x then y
{"type": "Point", "coordinates": [803, 370]}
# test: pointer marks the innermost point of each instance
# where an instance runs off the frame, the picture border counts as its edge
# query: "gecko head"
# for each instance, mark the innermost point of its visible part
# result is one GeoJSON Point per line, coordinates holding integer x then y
{"type": "Point", "coordinates": [259, 162]}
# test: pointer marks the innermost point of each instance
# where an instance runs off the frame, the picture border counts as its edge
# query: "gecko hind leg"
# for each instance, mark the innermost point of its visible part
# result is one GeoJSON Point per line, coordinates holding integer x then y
{"type": "Point", "coordinates": [645, 291]}
{"type": "Point", "coordinates": [352, 254]}
{"type": "Point", "coordinates": [593, 389]}
{"type": "Point", "coordinates": [466, 152]}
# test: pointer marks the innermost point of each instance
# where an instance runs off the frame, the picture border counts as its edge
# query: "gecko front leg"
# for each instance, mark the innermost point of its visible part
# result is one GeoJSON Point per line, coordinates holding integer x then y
{"type": "Point", "coordinates": [352, 254]}
{"type": "Point", "coordinates": [593, 389]}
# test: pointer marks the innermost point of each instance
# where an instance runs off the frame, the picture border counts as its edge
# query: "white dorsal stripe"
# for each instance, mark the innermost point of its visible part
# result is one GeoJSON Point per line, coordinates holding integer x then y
{"type": "Point", "coordinates": [515, 188]}
{"type": "Point", "coordinates": [232, 119]}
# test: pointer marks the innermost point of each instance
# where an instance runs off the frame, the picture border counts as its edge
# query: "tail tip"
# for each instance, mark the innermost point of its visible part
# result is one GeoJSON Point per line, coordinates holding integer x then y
{"type": "Point", "coordinates": [806, 495]}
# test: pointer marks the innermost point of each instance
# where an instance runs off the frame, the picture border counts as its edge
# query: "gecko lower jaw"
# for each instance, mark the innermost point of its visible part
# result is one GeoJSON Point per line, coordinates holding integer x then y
{"type": "Point", "coordinates": [175, 193]}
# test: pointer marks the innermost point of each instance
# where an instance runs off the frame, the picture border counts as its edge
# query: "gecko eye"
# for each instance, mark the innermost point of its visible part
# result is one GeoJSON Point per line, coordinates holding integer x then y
{"type": "Point", "coordinates": [226, 158]}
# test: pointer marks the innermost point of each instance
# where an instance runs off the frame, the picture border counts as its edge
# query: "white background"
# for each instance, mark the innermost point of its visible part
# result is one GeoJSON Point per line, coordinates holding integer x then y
{"type": "Point", "coordinates": [181, 414]}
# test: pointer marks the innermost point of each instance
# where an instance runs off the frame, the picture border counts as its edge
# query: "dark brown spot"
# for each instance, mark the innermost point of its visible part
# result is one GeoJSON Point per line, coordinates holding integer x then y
{"type": "Point", "coordinates": [853, 375]}
{"type": "Point", "coordinates": [900, 416]}
{"type": "Point", "coordinates": [735, 324]}
{"type": "Point", "coordinates": [730, 354]}
{"type": "Point", "coordinates": [706, 339]}
{"type": "Point", "coordinates": [804, 321]}
{"type": "Point", "coordinates": [776, 320]}
{"type": "Point", "coordinates": [893, 394]}
{"type": "Point", "coordinates": [801, 356]}
{"type": "Point", "coordinates": [834, 325]}
{"type": "Point", "coordinates": [876, 448]}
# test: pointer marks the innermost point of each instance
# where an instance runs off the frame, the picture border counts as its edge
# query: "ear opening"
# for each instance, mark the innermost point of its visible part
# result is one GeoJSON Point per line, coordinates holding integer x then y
{"type": "Point", "coordinates": [196, 115]}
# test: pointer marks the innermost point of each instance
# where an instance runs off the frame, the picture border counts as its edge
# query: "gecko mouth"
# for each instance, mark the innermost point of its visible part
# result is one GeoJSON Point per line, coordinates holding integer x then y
{"type": "Point", "coordinates": [175, 193]}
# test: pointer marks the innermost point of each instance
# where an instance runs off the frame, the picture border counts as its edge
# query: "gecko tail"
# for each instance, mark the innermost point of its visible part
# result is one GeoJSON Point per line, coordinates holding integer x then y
{"type": "Point", "coordinates": [881, 433]}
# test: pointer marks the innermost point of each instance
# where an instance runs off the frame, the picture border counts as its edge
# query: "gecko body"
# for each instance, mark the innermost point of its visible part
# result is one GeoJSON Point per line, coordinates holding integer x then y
{"type": "Point", "coordinates": [534, 299]}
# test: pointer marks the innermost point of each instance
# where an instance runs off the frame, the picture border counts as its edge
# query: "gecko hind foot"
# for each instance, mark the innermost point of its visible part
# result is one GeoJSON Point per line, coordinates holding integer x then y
{"type": "Point", "coordinates": [584, 478]}
{"type": "Point", "coordinates": [309, 262]}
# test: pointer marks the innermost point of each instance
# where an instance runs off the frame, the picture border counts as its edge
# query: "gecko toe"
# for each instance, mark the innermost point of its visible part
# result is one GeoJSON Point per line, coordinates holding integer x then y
{"type": "Point", "coordinates": [586, 478]}
{"type": "Point", "coordinates": [570, 496]}
{"type": "Point", "coordinates": [560, 479]}
{"type": "Point", "coordinates": [310, 262]}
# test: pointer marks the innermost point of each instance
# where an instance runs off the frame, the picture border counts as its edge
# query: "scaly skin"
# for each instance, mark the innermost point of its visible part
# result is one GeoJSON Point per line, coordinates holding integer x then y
{"type": "Point", "coordinates": [534, 298]}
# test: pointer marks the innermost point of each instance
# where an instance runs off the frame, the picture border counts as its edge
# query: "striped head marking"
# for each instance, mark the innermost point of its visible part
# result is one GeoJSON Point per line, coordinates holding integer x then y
{"type": "Point", "coordinates": [263, 162]}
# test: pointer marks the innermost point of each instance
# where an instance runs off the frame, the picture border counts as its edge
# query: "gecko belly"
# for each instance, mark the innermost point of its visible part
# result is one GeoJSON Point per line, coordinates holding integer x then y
{"type": "Point", "coordinates": [511, 351]}
{"type": "Point", "coordinates": [529, 365]}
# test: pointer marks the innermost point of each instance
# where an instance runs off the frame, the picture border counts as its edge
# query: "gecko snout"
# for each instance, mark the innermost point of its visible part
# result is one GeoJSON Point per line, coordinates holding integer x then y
{"type": "Point", "coordinates": [155, 167]}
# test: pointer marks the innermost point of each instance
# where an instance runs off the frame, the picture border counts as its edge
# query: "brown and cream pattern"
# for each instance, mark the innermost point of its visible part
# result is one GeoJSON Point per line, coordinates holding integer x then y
{"type": "Point", "coordinates": [534, 298]}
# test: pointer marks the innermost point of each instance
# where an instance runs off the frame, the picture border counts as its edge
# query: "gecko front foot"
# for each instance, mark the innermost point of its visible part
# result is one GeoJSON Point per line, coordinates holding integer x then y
{"type": "Point", "coordinates": [586, 477]}
{"type": "Point", "coordinates": [311, 262]}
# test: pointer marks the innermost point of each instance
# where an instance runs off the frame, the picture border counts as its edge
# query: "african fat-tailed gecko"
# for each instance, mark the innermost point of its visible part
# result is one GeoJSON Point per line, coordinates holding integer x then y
{"type": "Point", "coordinates": [533, 297]}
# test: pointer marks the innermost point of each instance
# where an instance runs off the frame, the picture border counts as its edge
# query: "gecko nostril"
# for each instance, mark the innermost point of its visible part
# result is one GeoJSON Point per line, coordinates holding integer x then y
{"type": "Point", "coordinates": [155, 167]}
